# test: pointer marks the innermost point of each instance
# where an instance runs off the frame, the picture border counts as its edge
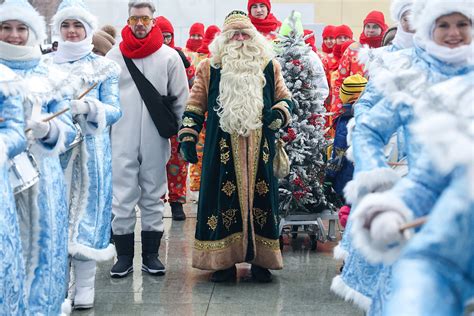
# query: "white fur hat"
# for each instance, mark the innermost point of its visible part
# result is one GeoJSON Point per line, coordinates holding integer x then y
{"type": "Point", "coordinates": [425, 13]}
{"type": "Point", "coordinates": [398, 7]}
{"type": "Point", "coordinates": [22, 11]}
{"type": "Point", "coordinates": [74, 9]}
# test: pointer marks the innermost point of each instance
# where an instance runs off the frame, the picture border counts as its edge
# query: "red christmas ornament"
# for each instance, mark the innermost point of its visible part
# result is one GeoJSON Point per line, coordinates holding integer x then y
{"type": "Point", "coordinates": [298, 195]}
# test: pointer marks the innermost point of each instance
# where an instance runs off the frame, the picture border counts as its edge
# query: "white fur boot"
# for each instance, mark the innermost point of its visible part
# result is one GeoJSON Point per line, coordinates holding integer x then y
{"type": "Point", "coordinates": [84, 272]}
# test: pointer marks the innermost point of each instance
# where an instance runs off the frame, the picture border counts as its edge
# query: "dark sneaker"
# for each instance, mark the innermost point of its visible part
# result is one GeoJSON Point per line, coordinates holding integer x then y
{"type": "Point", "coordinates": [227, 275]}
{"type": "Point", "coordinates": [177, 211]}
{"type": "Point", "coordinates": [122, 267]}
{"type": "Point", "coordinates": [261, 275]}
{"type": "Point", "coordinates": [152, 265]}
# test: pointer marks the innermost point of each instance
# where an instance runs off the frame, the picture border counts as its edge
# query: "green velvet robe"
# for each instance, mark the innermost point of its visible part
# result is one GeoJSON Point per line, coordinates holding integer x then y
{"type": "Point", "coordinates": [237, 218]}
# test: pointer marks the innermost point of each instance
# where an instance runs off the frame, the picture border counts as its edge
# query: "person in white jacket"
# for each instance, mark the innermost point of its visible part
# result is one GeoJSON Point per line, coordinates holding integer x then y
{"type": "Point", "coordinates": [139, 152]}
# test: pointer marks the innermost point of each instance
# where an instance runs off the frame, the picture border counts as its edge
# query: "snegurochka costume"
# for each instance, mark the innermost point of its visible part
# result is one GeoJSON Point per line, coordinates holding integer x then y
{"type": "Point", "coordinates": [434, 275]}
{"type": "Point", "coordinates": [88, 166]}
{"type": "Point", "coordinates": [238, 199]}
{"type": "Point", "coordinates": [400, 77]}
{"type": "Point", "coordinates": [13, 298]}
{"type": "Point", "coordinates": [372, 96]}
{"type": "Point", "coordinates": [43, 207]}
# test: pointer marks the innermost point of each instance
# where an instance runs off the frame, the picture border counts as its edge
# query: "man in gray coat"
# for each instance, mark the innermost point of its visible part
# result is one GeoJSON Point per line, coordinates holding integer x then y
{"type": "Point", "coordinates": [139, 152]}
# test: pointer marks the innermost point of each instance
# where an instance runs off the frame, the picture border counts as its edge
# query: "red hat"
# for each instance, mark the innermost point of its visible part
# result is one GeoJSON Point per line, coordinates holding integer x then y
{"type": "Point", "coordinates": [376, 17]}
{"type": "Point", "coordinates": [197, 28]}
{"type": "Point", "coordinates": [209, 36]}
{"type": "Point", "coordinates": [265, 2]}
{"type": "Point", "coordinates": [166, 27]}
{"type": "Point", "coordinates": [343, 30]}
{"type": "Point", "coordinates": [329, 31]}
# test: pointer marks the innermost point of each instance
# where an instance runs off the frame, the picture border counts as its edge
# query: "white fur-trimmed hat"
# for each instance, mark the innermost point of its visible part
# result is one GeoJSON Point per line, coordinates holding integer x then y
{"type": "Point", "coordinates": [398, 7]}
{"type": "Point", "coordinates": [425, 13]}
{"type": "Point", "coordinates": [23, 11]}
{"type": "Point", "coordinates": [74, 9]}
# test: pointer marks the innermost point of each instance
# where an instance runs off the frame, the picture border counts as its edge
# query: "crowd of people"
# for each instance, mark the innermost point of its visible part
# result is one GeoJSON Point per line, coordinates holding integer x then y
{"type": "Point", "coordinates": [95, 130]}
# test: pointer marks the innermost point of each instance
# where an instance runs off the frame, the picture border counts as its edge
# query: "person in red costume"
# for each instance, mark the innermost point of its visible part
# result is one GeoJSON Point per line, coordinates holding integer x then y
{"type": "Point", "coordinates": [196, 34]}
{"type": "Point", "coordinates": [176, 168]}
{"type": "Point", "coordinates": [261, 17]}
{"type": "Point", "coordinates": [372, 35]}
{"type": "Point", "coordinates": [139, 152]}
{"type": "Point", "coordinates": [209, 36]}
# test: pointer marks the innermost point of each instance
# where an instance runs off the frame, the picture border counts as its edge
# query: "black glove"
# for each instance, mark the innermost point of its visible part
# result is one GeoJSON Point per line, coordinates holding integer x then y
{"type": "Point", "coordinates": [273, 119]}
{"type": "Point", "coordinates": [188, 151]}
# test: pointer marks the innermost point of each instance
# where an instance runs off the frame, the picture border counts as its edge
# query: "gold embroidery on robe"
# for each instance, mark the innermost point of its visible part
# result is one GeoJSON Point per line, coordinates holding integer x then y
{"type": "Point", "coordinates": [217, 244]}
{"type": "Point", "coordinates": [212, 222]}
{"type": "Point", "coordinates": [260, 217]}
{"type": "Point", "coordinates": [262, 188]}
{"type": "Point", "coordinates": [265, 152]}
{"type": "Point", "coordinates": [267, 243]}
{"type": "Point", "coordinates": [229, 217]}
{"type": "Point", "coordinates": [229, 188]}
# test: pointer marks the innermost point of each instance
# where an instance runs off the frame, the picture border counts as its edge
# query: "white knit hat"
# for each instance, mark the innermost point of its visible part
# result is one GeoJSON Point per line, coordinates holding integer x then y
{"type": "Point", "coordinates": [398, 7]}
{"type": "Point", "coordinates": [22, 11]}
{"type": "Point", "coordinates": [425, 13]}
{"type": "Point", "coordinates": [76, 10]}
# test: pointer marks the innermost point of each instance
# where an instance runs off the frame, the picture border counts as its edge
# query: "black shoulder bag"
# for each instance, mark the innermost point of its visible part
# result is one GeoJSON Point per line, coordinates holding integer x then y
{"type": "Point", "coordinates": [158, 106]}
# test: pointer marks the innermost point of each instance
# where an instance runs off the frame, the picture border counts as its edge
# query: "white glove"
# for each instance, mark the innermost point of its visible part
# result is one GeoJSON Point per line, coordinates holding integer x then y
{"type": "Point", "coordinates": [79, 107]}
{"type": "Point", "coordinates": [385, 229]}
{"type": "Point", "coordinates": [38, 129]}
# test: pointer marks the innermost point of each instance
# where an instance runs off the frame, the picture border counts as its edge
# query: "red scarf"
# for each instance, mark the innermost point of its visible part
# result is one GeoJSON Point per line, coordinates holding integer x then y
{"type": "Point", "coordinates": [193, 44]}
{"type": "Point", "coordinates": [326, 49]}
{"type": "Point", "coordinates": [267, 25]}
{"type": "Point", "coordinates": [133, 47]}
{"type": "Point", "coordinates": [373, 42]}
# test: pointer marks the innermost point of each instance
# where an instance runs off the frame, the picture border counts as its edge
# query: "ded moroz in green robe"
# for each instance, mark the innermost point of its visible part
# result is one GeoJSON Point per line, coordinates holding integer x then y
{"type": "Point", "coordinates": [238, 201]}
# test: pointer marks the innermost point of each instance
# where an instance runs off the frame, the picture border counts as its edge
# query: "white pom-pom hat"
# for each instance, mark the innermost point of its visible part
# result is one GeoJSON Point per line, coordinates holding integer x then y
{"type": "Point", "coordinates": [75, 10]}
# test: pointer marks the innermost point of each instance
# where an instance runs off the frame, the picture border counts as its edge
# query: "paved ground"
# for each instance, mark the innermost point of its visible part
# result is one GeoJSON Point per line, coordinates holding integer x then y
{"type": "Point", "coordinates": [301, 288]}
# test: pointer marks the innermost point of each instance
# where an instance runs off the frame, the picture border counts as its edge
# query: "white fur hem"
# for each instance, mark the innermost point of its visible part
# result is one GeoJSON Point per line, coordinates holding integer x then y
{"type": "Point", "coordinates": [365, 182]}
{"type": "Point", "coordinates": [339, 287]}
{"type": "Point", "coordinates": [82, 252]}
{"type": "Point", "coordinates": [361, 235]}
{"type": "Point", "coordinates": [340, 253]}
{"type": "Point", "coordinates": [66, 307]}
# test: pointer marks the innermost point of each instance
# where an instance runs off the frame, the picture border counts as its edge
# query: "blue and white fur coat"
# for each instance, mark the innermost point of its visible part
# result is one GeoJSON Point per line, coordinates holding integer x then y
{"type": "Point", "coordinates": [88, 167]}
{"type": "Point", "coordinates": [401, 77]}
{"type": "Point", "coordinates": [13, 299]}
{"type": "Point", "coordinates": [435, 274]}
{"type": "Point", "coordinates": [43, 208]}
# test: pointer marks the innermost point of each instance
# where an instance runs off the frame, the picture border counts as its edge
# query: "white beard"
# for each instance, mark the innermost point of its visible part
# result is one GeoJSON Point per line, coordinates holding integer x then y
{"type": "Point", "coordinates": [241, 88]}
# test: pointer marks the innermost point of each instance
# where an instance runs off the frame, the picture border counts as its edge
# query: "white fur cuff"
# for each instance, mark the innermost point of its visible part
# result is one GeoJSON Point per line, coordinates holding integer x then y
{"type": "Point", "coordinates": [365, 182]}
{"type": "Point", "coordinates": [365, 212]}
{"type": "Point", "coordinates": [339, 287]}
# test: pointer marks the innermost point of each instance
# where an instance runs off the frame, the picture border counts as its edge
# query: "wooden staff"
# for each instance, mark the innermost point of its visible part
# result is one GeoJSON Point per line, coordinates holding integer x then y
{"type": "Point", "coordinates": [416, 223]}
{"type": "Point", "coordinates": [49, 118]}
{"type": "Point", "coordinates": [397, 164]}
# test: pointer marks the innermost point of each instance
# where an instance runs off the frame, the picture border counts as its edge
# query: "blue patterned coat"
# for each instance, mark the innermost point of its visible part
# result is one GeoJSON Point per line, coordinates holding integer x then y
{"type": "Point", "coordinates": [43, 207]}
{"type": "Point", "coordinates": [402, 78]}
{"type": "Point", "coordinates": [88, 167]}
{"type": "Point", "coordinates": [439, 184]}
{"type": "Point", "coordinates": [12, 142]}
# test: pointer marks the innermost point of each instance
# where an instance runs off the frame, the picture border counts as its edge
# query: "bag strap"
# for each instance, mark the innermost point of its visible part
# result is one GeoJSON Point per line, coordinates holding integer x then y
{"type": "Point", "coordinates": [140, 80]}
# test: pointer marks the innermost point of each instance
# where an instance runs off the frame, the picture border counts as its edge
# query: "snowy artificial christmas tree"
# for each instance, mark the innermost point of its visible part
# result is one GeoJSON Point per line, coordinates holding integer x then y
{"type": "Point", "coordinates": [302, 191]}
